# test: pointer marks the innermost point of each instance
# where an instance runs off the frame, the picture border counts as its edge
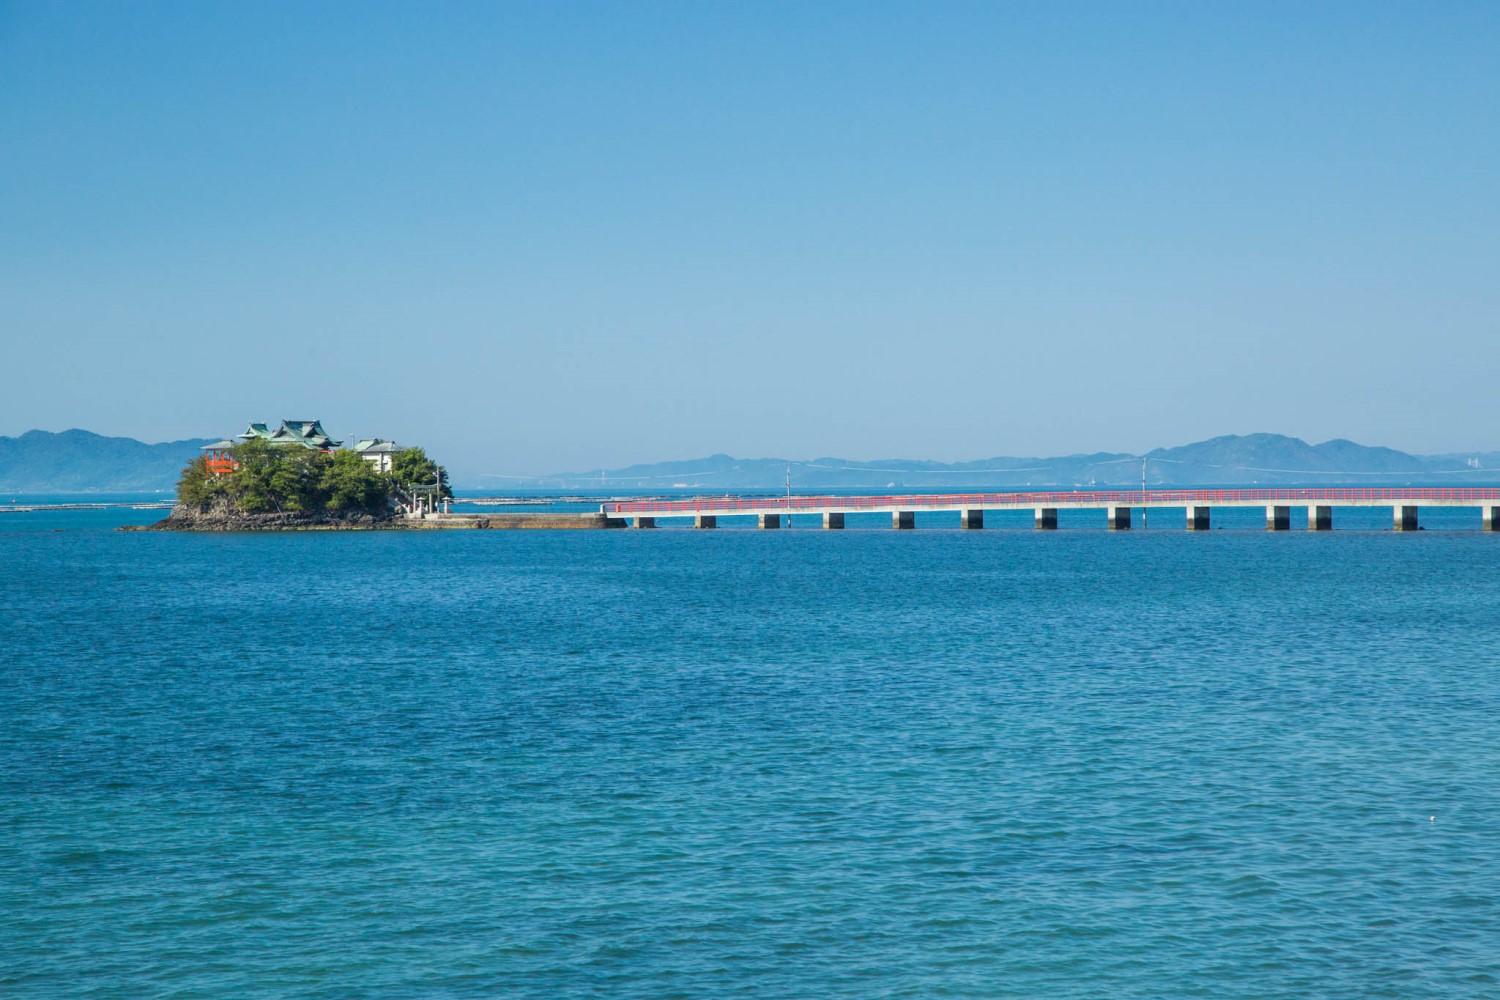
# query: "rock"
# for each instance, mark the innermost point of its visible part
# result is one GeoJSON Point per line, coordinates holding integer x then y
{"type": "Point", "coordinates": [223, 517]}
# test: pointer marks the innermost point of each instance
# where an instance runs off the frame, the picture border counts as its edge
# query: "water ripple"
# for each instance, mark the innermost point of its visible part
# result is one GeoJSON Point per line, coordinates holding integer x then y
{"type": "Point", "coordinates": [793, 764]}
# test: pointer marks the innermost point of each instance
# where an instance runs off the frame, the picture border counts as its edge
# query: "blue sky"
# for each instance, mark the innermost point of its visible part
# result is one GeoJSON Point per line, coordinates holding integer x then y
{"type": "Point", "coordinates": [550, 236]}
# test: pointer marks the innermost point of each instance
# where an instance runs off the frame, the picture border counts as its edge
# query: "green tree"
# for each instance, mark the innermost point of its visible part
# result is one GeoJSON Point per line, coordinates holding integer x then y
{"type": "Point", "coordinates": [296, 480]}
{"type": "Point", "coordinates": [249, 486]}
{"type": "Point", "coordinates": [352, 485]}
{"type": "Point", "coordinates": [412, 467]}
{"type": "Point", "coordinates": [198, 488]}
{"type": "Point", "coordinates": [269, 478]}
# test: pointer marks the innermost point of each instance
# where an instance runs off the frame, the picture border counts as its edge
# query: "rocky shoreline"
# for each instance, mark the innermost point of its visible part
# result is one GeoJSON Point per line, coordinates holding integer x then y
{"type": "Point", "coordinates": [221, 519]}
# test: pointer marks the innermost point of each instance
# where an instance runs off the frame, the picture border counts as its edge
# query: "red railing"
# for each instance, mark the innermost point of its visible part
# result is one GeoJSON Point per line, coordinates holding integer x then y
{"type": "Point", "coordinates": [1330, 496]}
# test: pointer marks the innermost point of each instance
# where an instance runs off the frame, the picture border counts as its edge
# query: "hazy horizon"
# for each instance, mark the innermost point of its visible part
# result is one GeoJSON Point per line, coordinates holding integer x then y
{"type": "Point", "coordinates": [1241, 457]}
{"type": "Point", "coordinates": [346, 439]}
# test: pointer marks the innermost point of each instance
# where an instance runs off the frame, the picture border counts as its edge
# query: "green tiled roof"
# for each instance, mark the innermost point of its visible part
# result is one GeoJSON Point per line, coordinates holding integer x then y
{"type": "Point", "coordinates": [308, 433]}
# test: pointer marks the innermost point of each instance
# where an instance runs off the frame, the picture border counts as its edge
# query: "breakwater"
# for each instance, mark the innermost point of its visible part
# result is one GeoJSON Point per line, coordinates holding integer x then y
{"type": "Point", "coordinates": [521, 521]}
{"type": "Point", "coordinates": [32, 508]}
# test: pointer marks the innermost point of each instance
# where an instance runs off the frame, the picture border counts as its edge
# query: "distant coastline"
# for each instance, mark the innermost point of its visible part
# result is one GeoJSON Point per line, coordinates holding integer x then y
{"type": "Point", "coordinates": [79, 463]}
{"type": "Point", "coordinates": [1230, 460]}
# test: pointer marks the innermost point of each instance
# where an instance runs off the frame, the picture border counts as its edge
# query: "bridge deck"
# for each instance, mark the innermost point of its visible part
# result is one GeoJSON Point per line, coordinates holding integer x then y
{"type": "Point", "coordinates": [1067, 500]}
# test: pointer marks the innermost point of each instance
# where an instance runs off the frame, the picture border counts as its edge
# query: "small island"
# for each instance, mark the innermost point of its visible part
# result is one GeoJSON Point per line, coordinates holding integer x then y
{"type": "Point", "coordinates": [296, 477]}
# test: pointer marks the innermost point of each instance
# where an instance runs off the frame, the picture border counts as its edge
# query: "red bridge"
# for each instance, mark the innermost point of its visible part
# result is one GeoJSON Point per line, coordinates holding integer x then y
{"type": "Point", "coordinates": [1116, 505]}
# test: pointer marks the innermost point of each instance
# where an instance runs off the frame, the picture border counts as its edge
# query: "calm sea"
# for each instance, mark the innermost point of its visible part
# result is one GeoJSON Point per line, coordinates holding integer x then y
{"type": "Point", "coordinates": [750, 764]}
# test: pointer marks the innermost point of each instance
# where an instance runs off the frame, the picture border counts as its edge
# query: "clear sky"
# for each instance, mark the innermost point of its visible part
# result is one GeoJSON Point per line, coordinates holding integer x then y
{"type": "Point", "coordinates": [538, 237]}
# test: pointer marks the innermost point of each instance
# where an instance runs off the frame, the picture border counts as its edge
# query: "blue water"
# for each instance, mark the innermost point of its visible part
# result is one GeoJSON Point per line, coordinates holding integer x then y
{"type": "Point", "coordinates": [749, 764]}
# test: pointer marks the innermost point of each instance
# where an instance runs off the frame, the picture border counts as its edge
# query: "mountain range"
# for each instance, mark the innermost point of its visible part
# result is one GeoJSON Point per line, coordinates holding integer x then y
{"type": "Point", "coordinates": [1228, 460]}
{"type": "Point", "coordinates": [82, 462]}
{"type": "Point", "coordinates": [78, 461]}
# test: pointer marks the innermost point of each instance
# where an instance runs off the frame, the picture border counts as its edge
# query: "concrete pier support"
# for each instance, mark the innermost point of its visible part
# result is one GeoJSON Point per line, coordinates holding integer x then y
{"type": "Point", "coordinates": [1046, 519]}
{"type": "Point", "coordinates": [1319, 518]}
{"type": "Point", "coordinates": [1489, 518]}
{"type": "Point", "coordinates": [706, 521]}
{"type": "Point", "coordinates": [1197, 518]}
{"type": "Point", "coordinates": [971, 519]}
{"type": "Point", "coordinates": [833, 521]}
{"type": "Point", "coordinates": [1405, 518]}
{"type": "Point", "coordinates": [1119, 518]}
{"type": "Point", "coordinates": [645, 522]}
{"type": "Point", "coordinates": [765, 521]}
{"type": "Point", "coordinates": [903, 520]}
{"type": "Point", "coordinates": [1278, 518]}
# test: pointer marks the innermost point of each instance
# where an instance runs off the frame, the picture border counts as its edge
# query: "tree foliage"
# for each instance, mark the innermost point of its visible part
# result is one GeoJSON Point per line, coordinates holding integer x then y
{"type": "Point", "coordinates": [250, 487]}
{"type": "Point", "coordinates": [412, 467]}
{"type": "Point", "coordinates": [270, 478]}
{"type": "Point", "coordinates": [196, 488]}
{"type": "Point", "coordinates": [351, 484]}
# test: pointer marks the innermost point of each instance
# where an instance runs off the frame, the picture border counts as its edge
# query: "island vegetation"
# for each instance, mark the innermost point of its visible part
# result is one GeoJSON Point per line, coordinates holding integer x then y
{"type": "Point", "coordinates": [273, 486]}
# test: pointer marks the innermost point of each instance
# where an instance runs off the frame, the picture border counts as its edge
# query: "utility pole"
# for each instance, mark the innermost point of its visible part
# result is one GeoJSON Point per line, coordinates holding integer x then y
{"type": "Point", "coordinates": [1144, 515]}
{"type": "Point", "coordinates": [789, 493]}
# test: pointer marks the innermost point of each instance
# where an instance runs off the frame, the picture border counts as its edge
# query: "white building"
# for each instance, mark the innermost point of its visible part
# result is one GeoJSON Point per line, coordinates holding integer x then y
{"type": "Point", "coordinates": [378, 452]}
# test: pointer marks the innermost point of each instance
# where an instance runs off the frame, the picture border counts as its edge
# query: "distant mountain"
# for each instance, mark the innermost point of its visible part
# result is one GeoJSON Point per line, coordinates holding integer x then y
{"type": "Point", "coordinates": [1229, 460]}
{"type": "Point", "coordinates": [1256, 456]}
{"type": "Point", "coordinates": [79, 461]}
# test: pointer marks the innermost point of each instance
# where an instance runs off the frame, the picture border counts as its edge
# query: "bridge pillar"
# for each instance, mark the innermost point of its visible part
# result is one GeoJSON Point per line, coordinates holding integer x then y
{"type": "Point", "coordinates": [645, 522]}
{"type": "Point", "coordinates": [1046, 519]}
{"type": "Point", "coordinates": [1405, 517]}
{"type": "Point", "coordinates": [767, 521]}
{"type": "Point", "coordinates": [706, 521]}
{"type": "Point", "coordinates": [1197, 518]}
{"type": "Point", "coordinates": [1319, 518]}
{"type": "Point", "coordinates": [1490, 518]}
{"type": "Point", "coordinates": [971, 519]}
{"type": "Point", "coordinates": [1119, 518]}
{"type": "Point", "coordinates": [903, 519]}
{"type": "Point", "coordinates": [1278, 518]}
{"type": "Point", "coordinates": [833, 520]}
